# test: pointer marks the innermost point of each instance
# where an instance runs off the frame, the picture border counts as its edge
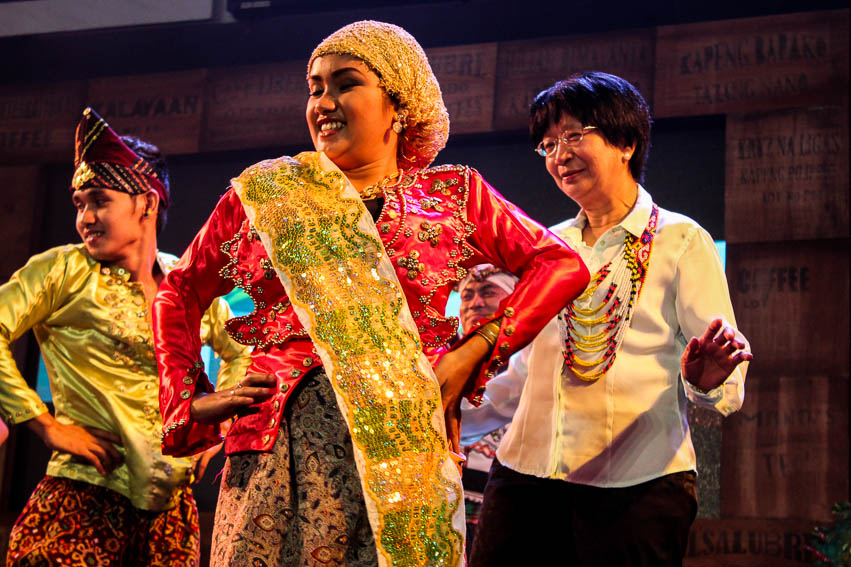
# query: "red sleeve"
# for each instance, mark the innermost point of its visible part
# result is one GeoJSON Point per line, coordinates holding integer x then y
{"type": "Point", "coordinates": [183, 297]}
{"type": "Point", "coordinates": [551, 273]}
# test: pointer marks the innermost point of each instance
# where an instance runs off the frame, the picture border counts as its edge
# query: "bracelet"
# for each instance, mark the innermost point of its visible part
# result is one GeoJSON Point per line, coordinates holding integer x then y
{"type": "Point", "coordinates": [490, 331]}
{"type": "Point", "coordinates": [693, 386]}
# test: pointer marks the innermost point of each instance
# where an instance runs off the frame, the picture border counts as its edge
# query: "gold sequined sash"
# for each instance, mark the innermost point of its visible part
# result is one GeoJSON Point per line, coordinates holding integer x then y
{"type": "Point", "coordinates": [330, 259]}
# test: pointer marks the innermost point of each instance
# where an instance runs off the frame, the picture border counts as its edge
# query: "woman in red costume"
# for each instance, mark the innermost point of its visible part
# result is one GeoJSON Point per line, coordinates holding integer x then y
{"type": "Point", "coordinates": [339, 452]}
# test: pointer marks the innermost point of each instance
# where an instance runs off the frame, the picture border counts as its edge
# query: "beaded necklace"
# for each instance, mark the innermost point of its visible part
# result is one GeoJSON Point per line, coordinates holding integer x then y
{"type": "Point", "coordinates": [377, 189]}
{"type": "Point", "coordinates": [589, 329]}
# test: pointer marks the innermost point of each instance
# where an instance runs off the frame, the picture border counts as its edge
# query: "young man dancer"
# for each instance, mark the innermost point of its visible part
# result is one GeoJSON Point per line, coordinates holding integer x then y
{"type": "Point", "coordinates": [109, 496]}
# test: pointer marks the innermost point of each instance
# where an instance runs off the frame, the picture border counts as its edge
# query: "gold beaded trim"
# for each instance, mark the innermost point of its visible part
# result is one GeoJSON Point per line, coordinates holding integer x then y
{"type": "Point", "coordinates": [377, 189]}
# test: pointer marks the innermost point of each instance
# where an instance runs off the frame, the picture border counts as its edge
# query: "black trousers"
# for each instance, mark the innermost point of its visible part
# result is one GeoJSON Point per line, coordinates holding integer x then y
{"type": "Point", "coordinates": [527, 520]}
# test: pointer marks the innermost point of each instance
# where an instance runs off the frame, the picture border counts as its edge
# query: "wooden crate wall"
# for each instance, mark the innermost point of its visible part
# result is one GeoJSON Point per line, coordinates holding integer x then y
{"type": "Point", "coordinates": [782, 82]}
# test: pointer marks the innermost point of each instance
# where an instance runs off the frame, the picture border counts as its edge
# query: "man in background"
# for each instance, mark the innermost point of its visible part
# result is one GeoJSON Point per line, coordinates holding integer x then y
{"type": "Point", "coordinates": [482, 428]}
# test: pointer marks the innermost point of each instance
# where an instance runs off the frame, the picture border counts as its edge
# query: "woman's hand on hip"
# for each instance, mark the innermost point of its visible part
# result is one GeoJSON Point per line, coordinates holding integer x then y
{"type": "Point", "coordinates": [216, 407]}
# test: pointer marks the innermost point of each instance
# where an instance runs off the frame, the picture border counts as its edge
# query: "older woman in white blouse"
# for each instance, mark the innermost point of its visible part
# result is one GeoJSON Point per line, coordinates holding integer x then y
{"type": "Point", "coordinates": [600, 437]}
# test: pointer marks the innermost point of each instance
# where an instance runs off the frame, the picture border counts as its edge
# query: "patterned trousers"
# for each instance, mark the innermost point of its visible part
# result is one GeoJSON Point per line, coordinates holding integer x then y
{"type": "Point", "coordinates": [77, 524]}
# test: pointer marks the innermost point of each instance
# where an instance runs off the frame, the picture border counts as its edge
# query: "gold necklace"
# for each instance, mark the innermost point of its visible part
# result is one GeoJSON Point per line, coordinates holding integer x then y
{"type": "Point", "coordinates": [377, 189]}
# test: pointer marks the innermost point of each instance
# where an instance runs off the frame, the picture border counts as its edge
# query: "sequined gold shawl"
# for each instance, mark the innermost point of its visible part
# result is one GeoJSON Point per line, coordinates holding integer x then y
{"type": "Point", "coordinates": [328, 255]}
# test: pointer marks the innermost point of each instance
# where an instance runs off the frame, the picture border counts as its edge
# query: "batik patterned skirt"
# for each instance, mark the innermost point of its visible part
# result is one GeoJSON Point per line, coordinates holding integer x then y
{"type": "Point", "coordinates": [76, 524]}
{"type": "Point", "coordinates": [302, 504]}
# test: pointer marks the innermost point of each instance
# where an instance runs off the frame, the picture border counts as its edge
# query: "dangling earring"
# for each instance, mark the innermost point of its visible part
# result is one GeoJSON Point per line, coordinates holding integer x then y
{"type": "Point", "coordinates": [399, 122]}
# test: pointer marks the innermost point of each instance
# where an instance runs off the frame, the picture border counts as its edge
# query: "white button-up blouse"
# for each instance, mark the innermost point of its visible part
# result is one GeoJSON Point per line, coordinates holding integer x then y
{"type": "Point", "coordinates": [630, 425]}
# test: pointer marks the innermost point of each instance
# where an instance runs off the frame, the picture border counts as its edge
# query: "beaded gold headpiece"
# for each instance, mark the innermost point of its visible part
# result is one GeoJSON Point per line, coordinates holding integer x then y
{"type": "Point", "coordinates": [403, 68]}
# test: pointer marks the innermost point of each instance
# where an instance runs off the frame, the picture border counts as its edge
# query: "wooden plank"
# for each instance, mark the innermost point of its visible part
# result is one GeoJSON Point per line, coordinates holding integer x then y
{"type": "Point", "coordinates": [256, 106]}
{"type": "Point", "coordinates": [785, 453]}
{"type": "Point", "coordinates": [791, 301]}
{"type": "Point", "coordinates": [752, 64]}
{"type": "Point", "coordinates": [7, 520]}
{"type": "Point", "coordinates": [37, 122]}
{"type": "Point", "coordinates": [467, 76]}
{"type": "Point", "coordinates": [705, 429]}
{"type": "Point", "coordinates": [744, 542]}
{"type": "Point", "coordinates": [787, 175]}
{"type": "Point", "coordinates": [22, 191]}
{"type": "Point", "coordinates": [20, 223]}
{"type": "Point", "coordinates": [525, 68]}
{"type": "Point", "coordinates": [164, 109]}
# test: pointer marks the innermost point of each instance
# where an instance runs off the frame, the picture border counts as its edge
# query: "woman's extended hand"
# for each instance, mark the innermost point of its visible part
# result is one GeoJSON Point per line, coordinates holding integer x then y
{"type": "Point", "coordinates": [710, 359]}
{"type": "Point", "coordinates": [454, 374]}
{"type": "Point", "coordinates": [216, 407]}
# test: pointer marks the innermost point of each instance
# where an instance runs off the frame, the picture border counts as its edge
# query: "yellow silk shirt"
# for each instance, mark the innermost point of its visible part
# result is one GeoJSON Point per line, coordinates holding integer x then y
{"type": "Point", "coordinates": [94, 332]}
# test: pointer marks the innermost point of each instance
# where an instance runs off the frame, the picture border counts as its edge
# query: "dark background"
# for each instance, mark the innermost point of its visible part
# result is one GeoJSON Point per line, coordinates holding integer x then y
{"type": "Point", "coordinates": [685, 171]}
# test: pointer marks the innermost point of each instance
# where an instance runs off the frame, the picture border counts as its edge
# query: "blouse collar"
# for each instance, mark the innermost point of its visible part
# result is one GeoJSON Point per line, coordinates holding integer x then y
{"type": "Point", "coordinates": [634, 222]}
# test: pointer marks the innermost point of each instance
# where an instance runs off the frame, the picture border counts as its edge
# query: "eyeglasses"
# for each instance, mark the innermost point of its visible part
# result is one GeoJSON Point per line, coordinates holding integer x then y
{"type": "Point", "coordinates": [570, 138]}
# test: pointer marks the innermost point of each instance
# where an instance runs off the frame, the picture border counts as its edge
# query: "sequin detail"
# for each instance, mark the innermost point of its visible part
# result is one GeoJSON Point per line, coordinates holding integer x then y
{"type": "Point", "coordinates": [330, 268]}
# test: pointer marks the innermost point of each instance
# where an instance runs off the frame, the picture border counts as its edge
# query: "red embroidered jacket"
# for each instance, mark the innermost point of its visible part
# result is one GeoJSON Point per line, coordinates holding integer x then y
{"type": "Point", "coordinates": [433, 224]}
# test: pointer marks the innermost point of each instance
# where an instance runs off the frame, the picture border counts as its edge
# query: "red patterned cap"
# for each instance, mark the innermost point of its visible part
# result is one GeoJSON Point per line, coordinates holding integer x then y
{"type": "Point", "coordinates": [102, 159]}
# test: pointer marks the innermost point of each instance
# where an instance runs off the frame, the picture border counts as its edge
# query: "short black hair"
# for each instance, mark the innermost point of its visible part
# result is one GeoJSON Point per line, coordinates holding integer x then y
{"type": "Point", "coordinates": [152, 154]}
{"type": "Point", "coordinates": [607, 102]}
